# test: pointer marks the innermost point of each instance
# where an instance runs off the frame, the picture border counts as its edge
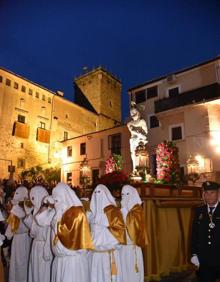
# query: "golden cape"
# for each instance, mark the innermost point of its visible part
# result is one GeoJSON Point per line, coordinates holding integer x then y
{"type": "Point", "coordinates": [73, 229]}
{"type": "Point", "coordinates": [116, 223]}
{"type": "Point", "coordinates": [14, 222]}
{"type": "Point", "coordinates": [135, 226]}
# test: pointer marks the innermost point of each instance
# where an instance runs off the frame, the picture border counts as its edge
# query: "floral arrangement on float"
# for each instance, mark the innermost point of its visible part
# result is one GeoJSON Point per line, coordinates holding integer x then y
{"type": "Point", "coordinates": [115, 177]}
{"type": "Point", "coordinates": [113, 163]}
{"type": "Point", "coordinates": [168, 169]}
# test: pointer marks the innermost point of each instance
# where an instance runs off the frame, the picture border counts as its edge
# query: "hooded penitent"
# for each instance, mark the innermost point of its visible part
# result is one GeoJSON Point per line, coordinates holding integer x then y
{"type": "Point", "coordinates": [21, 241]}
{"type": "Point", "coordinates": [37, 194]}
{"type": "Point", "coordinates": [72, 227]}
{"type": "Point", "coordinates": [17, 212]}
{"type": "Point", "coordinates": [41, 256]}
{"type": "Point", "coordinates": [106, 213]}
{"type": "Point", "coordinates": [46, 212]}
{"type": "Point", "coordinates": [133, 215]}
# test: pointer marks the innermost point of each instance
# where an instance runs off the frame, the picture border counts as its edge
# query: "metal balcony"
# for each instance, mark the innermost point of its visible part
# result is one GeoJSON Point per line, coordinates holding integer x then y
{"type": "Point", "coordinates": [203, 94]}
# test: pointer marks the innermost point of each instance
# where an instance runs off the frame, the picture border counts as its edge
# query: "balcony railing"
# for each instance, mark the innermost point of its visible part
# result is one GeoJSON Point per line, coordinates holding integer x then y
{"type": "Point", "coordinates": [198, 95]}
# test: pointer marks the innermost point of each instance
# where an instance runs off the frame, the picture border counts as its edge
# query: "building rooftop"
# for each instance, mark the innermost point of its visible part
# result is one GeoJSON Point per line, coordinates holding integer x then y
{"type": "Point", "coordinates": [29, 81]}
{"type": "Point", "coordinates": [174, 73]}
{"type": "Point", "coordinates": [89, 72]}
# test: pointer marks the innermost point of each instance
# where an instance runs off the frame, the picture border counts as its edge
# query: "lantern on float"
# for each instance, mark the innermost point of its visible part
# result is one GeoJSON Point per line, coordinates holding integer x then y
{"type": "Point", "coordinates": [192, 165]}
{"type": "Point", "coordinates": [142, 155]}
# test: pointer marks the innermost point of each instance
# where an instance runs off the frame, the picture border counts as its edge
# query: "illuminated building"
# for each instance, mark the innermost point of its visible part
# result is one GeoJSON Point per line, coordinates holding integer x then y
{"type": "Point", "coordinates": [94, 149]}
{"type": "Point", "coordinates": [33, 119]}
{"type": "Point", "coordinates": [185, 107]}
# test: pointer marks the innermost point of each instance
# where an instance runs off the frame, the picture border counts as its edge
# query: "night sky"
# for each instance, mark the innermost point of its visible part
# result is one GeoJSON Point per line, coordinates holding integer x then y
{"type": "Point", "coordinates": [49, 42]}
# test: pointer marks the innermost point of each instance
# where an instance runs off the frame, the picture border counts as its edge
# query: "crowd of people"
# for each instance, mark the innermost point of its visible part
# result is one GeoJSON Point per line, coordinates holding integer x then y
{"type": "Point", "coordinates": [49, 235]}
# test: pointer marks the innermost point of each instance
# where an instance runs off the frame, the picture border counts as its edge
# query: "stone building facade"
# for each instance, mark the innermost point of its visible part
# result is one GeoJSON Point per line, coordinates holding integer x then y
{"type": "Point", "coordinates": [95, 148]}
{"type": "Point", "coordinates": [185, 107]}
{"type": "Point", "coordinates": [33, 119]}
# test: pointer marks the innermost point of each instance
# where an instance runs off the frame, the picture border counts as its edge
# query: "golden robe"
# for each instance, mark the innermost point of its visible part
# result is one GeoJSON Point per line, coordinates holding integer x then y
{"type": "Point", "coordinates": [135, 226]}
{"type": "Point", "coordinates": [73, 230]}
{"type": "Point", "coordinates": [14, 222]}
{"type": "Point", "coordinates": [116, 223]}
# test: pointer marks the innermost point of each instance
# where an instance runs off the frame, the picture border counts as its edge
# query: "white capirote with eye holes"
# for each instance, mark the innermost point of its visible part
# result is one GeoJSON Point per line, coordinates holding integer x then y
{"type": "Point", "coordinates": [64, 197]}
{"type": "Point", "coordinates": [21, 193]}
{"type": "Point", "coordinates": [102, 237]}
{"type": "Point", "coordinates": [101, 198]}
{"type": "Point", "coordinates": [37, 194]}
{"type": "Point", "coordinates": [130, 197]}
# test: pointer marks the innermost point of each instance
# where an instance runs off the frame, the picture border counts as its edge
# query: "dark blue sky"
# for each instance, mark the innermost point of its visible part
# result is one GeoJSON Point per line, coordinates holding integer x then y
{"type": "Point", "coordinates": [49, 42]}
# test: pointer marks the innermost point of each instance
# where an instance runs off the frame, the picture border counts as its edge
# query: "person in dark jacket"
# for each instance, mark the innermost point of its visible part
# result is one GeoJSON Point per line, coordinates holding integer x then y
{"type": "Point", "coordinates": [205, 240]}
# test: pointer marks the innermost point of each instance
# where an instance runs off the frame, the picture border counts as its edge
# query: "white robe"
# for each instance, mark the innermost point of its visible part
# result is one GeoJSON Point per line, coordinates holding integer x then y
{"type": "Point", "coordinates": [20, 251]}
{"type": "Point", "coordinates": [100, 259]}
{"type": "Point", "coordinates": [130, 255]}
{"type": "Point", "coordinates": [41, 256]}
{"type": "Point", "coordinates": [69, 265]}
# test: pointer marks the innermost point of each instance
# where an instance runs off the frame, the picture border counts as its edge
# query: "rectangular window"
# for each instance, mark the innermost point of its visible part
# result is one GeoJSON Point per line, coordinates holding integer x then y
{"type": "Point", "coordinates": [21, 118]}
{"type": "Point", "coordinates": [82, 148]}
{"type": "Point", "coordinates": [151, 92]}
{"type": "Point", "coordinates": [30, 92]}
{"type": "Point", "coordinates": [176, 132]}
{"type": "Point", "coordinates": [23, 88]}
{"type": "Point", "coordinates": [49, 100]}
{"type": "Point", "coordinates": [95, 176]}
{"type": "Point", "coordinates": [42, 125]}
{"type": "Point", "coordinates": [1, 79]}
{"type": "Point", "coordinates": [173, 92]}
{"type": "Point", "coordinates": [21, 102]}
{"type": "Point", "coordinates": [65, 135]}
{"type": "Point", "coordinates": [140, 97]}
{"type": "Point", "coordinates": [8, 82]}
{"type": "Point", "coordinates": [43, 110]}
{"type": "Point", "coordinates": [69, 151]}
{"type": "Point", "coordinates": [43, 97]}
{"type": "Point", "coordinates": [37, 95]}
{"type": "Point", "coordinates": [15, 85]}
{"type": "Point", "coordinates": [21, 163]}
{"type": "Point", "coordinates": [153, 120]}
{"type": "Point", "coordinates": [69, 177]}
{"type": "Point", "coordinates": [114, 143]}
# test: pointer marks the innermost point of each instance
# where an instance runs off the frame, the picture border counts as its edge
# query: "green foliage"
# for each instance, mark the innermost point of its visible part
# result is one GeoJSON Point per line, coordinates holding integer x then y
{"type": "Point", "coordinates": [49, 175]}
{"type": "Point", "coordinates": [118, 162]}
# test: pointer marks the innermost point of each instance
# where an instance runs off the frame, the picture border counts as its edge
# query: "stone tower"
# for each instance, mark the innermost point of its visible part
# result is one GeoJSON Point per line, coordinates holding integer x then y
{"type": "Point", "coordinates": [99, 91]}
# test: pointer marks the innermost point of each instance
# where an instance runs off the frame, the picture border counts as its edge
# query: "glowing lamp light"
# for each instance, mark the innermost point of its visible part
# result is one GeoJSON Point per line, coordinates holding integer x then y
{"type": "Point", "coordinates": [215, 138]}
{"type": "Point", "coordinates": [141, 153]}
{"type": "Point", "coordinates": [200, 160]}
{"type": "Point", "coordinates": [192, 164]}
{"type": "Point", "coordinates": [217, 149]}
{"type": "Point", "coordinates": [85, 168]}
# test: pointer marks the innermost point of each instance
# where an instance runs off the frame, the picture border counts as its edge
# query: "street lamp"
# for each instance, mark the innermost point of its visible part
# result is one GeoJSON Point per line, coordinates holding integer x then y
{"type": "Point", "coordinates": [192, 165]}
{"type": "Point", "coordinates": [141, 154]}
{"type": "Point", "coordinates": [85, 172]}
